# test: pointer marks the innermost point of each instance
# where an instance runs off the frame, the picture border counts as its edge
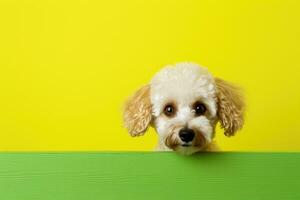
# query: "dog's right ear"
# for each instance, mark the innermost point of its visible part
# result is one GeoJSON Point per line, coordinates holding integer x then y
{"type": "Point", "coordinates": [138, 112]}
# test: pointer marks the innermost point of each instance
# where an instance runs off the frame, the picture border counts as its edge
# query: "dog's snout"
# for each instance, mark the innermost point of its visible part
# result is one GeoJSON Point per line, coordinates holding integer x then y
{"type": "Point", "coordinates": [186, 135]}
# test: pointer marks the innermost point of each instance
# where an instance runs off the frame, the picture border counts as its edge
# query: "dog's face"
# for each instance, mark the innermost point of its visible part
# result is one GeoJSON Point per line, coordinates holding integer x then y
{"type": "Point", "coordinates": [184, 107]}
{"type": "Point", "coordinates": [184, 103]}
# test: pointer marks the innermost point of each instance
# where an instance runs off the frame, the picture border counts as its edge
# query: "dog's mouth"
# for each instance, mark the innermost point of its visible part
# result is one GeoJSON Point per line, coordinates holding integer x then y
{"type": "Point", "coordinates": [185, 145]}
{"type": "Point", "coordinates": [176, 144]}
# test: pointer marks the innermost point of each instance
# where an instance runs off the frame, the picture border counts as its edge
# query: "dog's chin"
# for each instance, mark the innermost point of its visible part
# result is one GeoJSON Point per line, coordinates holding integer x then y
{"type": "Point", "coordinates": [186, 150]}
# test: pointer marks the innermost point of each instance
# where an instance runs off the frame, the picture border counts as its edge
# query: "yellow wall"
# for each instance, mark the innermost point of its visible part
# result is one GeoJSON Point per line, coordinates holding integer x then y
{"type": "Point", "coordinates": [66, 67]}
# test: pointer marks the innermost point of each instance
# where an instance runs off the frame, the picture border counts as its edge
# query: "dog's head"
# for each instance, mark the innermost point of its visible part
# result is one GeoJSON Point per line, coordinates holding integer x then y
{"type": "Point", "coordinates": [184, 103]}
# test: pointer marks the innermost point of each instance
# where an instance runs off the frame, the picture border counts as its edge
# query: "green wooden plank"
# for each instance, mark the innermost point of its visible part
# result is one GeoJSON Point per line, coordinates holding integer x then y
{"type": "Point", "coordinates": [84, 176]}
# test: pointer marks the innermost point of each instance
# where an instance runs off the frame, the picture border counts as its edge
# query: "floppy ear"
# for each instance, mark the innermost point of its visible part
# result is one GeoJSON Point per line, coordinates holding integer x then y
{"type": "Point", "coordinates": [230, 107]}
{"type": "Point", "coordinates": [138, 112]}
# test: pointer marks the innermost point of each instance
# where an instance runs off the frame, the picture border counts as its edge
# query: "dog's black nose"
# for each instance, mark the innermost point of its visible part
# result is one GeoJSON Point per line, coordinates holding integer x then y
{"type": "Point", "coordinates": [186, 135]}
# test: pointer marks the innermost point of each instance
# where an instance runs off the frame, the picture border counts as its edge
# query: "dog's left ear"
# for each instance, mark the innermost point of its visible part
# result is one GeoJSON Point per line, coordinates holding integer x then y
{"type": "Point", "coordinates": [138, 112]}
{"type": "Point", "coordinates": [230, 107]}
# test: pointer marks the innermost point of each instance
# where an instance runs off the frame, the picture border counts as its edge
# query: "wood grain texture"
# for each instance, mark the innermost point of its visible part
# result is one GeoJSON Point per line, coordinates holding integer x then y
{"type": "Point", "coordinates": [85, 176]}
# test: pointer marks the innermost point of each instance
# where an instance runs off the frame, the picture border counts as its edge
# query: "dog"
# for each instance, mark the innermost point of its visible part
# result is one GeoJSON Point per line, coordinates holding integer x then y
{"type": "Point", "coordinates": [183, 103]}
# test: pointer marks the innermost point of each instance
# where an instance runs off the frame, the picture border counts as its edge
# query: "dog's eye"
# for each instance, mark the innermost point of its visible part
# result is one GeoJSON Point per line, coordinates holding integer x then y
{"type": "Point", "coordinates": [199, 108]}
{"type": "Point", "coordinates": [169, 110]}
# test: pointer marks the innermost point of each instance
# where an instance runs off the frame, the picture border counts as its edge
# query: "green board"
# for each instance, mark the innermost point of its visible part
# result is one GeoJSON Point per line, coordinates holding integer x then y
{"type": "Point", "coordinates": [85, 176]}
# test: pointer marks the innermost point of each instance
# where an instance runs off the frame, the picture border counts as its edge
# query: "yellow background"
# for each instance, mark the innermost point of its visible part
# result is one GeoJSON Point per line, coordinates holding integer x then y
{"type": "Point", "coordinates": [66, 67]}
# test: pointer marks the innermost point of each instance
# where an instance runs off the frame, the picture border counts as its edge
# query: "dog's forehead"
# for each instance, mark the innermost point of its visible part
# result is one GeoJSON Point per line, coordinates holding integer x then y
{"type": "Point", "coordinates": [183, 79]}
{"type": "Point", "coordinates": [182, 82]}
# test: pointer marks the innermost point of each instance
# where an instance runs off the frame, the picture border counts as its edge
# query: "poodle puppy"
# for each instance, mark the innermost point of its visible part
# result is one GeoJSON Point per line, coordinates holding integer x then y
{"type": "Point", "coordinates": [183, 103]}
